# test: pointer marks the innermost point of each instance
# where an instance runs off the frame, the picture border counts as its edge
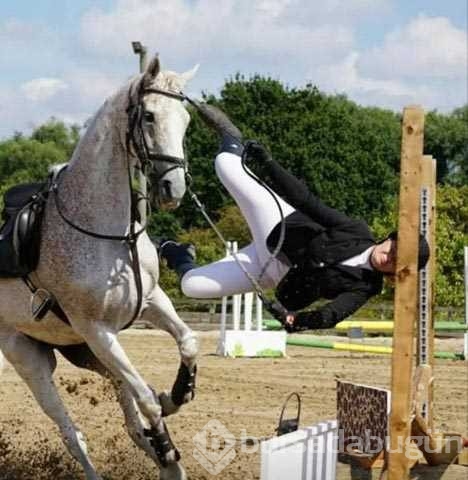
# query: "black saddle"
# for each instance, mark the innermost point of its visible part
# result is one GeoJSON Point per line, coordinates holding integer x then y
{"type": "Point", "coordinates": [20, 235]}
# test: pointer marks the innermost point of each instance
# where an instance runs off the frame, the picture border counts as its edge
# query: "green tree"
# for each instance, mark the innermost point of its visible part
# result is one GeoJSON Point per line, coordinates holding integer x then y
{"type": "Point", "coordinates": [451, 237]}
{"type": "Point", "coordinates": [26, 160]}
{"type": "Point", "coordinates": [56, 132]}
{"type": "Point", "coordinates": [446, 139]}
{"type": "Point", "coordinates": [164, 224]}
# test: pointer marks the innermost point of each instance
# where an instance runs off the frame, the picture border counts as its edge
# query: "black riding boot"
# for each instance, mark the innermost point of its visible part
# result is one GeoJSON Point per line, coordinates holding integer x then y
{"type": "Point", "coordinates": [231, 137]}
{"type": "Point", "coordinates": [179, 256]}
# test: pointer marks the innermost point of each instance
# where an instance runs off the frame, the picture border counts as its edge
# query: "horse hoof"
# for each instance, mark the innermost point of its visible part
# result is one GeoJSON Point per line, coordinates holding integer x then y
{"type": "Point", "coordinates": [174, 471]}
{"type": "Point", "coordinates": [167, 405]}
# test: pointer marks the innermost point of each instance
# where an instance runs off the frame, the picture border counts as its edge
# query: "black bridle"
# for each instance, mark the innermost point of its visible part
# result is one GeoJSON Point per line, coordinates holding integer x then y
{"type": "Point", "coordinates": [136, 138]}
{"type": "Point", "coordinates": [137, 144]}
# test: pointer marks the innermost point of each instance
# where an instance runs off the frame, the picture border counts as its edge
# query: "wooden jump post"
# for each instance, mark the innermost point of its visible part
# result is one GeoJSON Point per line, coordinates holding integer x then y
{"type": "Point", "coordinates": [410, 422]}
{"type": "Point", "coordinates": [407, 294]}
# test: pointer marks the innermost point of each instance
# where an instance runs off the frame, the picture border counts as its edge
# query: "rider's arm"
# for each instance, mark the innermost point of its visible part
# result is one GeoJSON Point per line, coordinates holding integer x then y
{"type": "Point", "coordinates": [332, 313]}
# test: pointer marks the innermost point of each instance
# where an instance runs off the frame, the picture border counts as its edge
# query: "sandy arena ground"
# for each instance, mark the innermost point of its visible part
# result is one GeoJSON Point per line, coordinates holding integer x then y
{"type": "Point", "coordinates": [244, 394]}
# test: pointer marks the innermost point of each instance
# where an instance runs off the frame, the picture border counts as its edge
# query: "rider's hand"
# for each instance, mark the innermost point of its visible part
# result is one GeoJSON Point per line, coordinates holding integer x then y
{"type": "Point", "coordinates": [257, 152]}
{"type": "Point", "coordinates": [289, 322]}
{"type": "Point", "coordinates": [298, 322]}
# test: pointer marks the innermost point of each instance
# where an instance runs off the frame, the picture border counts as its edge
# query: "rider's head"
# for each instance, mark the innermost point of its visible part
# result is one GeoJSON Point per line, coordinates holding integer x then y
{"type": "Point", "coordinates": [383, 256]}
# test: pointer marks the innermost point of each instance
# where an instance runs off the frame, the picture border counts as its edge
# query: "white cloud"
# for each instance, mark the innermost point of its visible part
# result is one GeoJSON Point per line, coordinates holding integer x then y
{"type": "Point", "coordinates": [224, 29]}
{"type": "Point", "coordinates": [346, 77]}
{"type": "Point", "coordinates": [43, 89]}
{"type": "Point", "coordinates": [91, 86]}
{"type": "Point", "coordinates": [295, 41]}
{"type": "Point", "coordinates": [425, 47]}
{"type": "Point", "coordinates": [424, 62]}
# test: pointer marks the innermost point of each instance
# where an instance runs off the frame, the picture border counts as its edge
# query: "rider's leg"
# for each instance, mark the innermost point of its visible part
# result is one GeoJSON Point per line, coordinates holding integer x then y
{"type": "Point", "coordinates": [262, 213]}
{"type": "Point", "coordinates": [225, 277]}
{"type": "Point", "coordinates": [257, 204]}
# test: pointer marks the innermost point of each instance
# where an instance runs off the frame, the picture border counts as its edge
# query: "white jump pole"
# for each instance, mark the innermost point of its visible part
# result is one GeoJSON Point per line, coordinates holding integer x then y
{"type": "Point", "coordinates": [248, 307]}
{"type": "Point", "coordinates": [222, 327]}
{"type": "Point", "coordinates": [465, 349]}
{"type": "Point", "coordinates": [236, 301]}
{"type": "Point", "coordinates": [258, 313]}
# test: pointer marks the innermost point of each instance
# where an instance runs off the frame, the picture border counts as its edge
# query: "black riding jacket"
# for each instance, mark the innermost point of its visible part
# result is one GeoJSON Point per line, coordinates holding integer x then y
{"type": "Point", "coordinates": [317, 239]}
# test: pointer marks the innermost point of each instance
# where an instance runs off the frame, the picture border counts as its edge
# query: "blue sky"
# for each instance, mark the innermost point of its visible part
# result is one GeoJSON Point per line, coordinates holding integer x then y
{"type": "Point", "coordinates": [64, 58]}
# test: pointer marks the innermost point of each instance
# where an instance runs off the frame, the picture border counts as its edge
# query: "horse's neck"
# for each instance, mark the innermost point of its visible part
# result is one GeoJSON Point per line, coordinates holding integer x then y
{"type": "Point", "coordinates": [95, 188]}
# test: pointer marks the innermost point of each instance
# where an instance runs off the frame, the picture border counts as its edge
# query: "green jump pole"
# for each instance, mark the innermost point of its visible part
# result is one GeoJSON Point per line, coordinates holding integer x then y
{"type": "Point", "coordinates": [307, 341]}
{"type": "Point", "coordinates": [387, 326]}
{"type": "Point", "coordinates": [375, 327]}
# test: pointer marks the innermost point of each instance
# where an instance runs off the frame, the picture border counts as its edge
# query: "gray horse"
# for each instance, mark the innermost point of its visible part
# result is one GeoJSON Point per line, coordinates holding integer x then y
{"type": "Point", "coordinates": [103, 271]}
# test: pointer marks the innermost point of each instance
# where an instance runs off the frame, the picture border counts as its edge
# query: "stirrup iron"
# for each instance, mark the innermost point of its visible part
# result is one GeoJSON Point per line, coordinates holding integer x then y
{"type": "Point", "coordinates": [42, 302]}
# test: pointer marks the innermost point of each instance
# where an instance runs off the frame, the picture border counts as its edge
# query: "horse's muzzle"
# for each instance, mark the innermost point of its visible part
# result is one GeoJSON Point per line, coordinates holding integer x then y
{"type": "Point", "coordinates": [167, 197]}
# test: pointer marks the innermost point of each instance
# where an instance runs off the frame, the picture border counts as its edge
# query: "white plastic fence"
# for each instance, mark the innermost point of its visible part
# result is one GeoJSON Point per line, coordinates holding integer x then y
{"type": "Point", "coordinates": [307, 454]}
{"type": "Point", "coordinates": [237, 306]}
{"type": "Point", "coordinates": [245, 338]}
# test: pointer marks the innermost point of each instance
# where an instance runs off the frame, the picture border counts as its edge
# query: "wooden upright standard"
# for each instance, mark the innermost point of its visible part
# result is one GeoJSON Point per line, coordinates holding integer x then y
{"type": "Point", "coordinates": [406, 293]}
{"type": "Point", "coordinates": [425, 357]}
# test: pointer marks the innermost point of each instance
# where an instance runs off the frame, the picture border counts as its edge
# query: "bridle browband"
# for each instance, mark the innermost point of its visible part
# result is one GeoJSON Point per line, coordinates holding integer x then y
{"type": "Point", "coordinates": [135, 142]}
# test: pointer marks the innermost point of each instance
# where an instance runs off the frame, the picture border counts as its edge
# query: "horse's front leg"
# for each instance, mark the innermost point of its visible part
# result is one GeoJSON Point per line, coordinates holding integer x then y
{"type": "Point", "coordinates": [161, 313]}
{"type": "Point", "coordinates": [137, 425]}
{"type": "Point", "coordinates": [104, 344]}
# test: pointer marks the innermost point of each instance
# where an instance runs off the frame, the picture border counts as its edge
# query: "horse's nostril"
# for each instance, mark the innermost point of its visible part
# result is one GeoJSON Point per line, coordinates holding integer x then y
{"type": "Point", "coordinates": [166, 188]}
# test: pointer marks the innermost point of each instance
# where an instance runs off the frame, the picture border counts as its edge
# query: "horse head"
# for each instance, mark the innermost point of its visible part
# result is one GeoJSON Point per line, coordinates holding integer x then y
{"type": "Point", "coordinates": [157, 124]}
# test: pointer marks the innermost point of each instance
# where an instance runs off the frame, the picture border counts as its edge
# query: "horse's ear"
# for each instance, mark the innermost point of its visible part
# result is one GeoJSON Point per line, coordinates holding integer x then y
{"type": "Point", "coordinates": [152, 70]}
{"type": "Point", "coordinates": [189, 74]}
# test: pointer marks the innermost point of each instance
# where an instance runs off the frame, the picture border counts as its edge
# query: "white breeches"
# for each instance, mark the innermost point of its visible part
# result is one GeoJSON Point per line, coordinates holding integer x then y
{"type": "Point", "coordinates": [225, 277]}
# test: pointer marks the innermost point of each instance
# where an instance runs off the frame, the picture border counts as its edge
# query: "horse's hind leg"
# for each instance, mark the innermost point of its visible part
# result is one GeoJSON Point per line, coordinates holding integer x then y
{"type": "Point", "coordinates": [161, 312]}
{"type": "Point", "coordinates": [82, 357]}
{"type": "Point", "coordinates": [35, 363]}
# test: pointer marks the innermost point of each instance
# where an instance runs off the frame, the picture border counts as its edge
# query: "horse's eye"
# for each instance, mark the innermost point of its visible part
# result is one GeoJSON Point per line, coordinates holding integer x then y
{"type": "Point", "coordinates": [149, 116]}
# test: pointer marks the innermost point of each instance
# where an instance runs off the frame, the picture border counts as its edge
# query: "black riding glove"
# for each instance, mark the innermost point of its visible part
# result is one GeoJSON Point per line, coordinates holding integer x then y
{"type": "Point", "coordinates": [280, 313]}
{"type": "Point", "coordinates": [305, 321]}
{"type": "Point", "coordinates": [257, 152]}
